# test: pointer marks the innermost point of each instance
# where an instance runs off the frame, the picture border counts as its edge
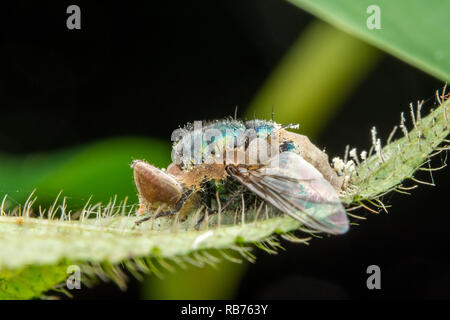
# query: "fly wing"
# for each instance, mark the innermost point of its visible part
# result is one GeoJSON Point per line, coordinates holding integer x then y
{"type": "Point", "coordinates": [294, 186]}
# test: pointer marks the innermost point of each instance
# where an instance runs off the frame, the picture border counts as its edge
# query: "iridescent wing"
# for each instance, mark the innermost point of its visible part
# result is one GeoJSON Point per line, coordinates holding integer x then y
{"type": "Point", "coordinates": [295, 187]}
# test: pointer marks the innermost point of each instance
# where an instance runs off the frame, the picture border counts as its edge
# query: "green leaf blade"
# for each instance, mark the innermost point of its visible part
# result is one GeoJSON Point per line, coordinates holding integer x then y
{"type": "Point", "coordinates": [414, 31]}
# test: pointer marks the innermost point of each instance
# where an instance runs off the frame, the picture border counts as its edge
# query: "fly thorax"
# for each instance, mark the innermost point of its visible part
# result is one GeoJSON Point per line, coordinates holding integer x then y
{"type": "Point", "coordinates": [229, 142]}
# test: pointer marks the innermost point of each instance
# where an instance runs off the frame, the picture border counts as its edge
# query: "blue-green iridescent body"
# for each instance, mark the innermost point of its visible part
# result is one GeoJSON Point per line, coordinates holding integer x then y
{"type": "Point", "coordinates": [229, 131]}
{"type": "Point", "coordinates": [227, 134]}
{"type": "Point", "coordinates": [293, 181]}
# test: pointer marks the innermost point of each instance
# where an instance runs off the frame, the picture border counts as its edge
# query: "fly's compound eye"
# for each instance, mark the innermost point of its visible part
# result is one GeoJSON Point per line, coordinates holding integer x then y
{"type": "Point", "coordinates": [155, 186]}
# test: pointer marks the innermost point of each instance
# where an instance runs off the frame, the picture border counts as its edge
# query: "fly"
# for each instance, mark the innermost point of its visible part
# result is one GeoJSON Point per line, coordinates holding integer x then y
{"type": "Point", "coordinates": [257, 158]}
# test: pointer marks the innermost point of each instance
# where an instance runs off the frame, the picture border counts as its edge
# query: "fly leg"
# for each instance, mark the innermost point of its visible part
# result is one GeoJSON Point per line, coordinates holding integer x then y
{"type": "Point", "coordinates": [177, 208]}
{"type": "Point", "coordinates": [161, 214]}
{"type": "Point", "coordinates": [211, 211]}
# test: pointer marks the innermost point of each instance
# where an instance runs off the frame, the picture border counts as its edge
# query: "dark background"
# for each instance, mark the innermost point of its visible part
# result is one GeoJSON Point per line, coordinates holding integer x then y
{"type": "Point", "coordinates": [144, 69]}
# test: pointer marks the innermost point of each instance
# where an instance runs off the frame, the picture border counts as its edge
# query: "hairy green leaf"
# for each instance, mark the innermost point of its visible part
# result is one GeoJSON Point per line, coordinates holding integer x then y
{"type": "Point", "coordinates": [100, 238]}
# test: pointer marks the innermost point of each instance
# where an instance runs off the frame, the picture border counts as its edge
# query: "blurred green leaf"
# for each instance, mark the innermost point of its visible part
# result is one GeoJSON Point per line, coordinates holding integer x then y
{"type": "Point", "coordinates": [100, 169]}
{"type": "Point", "coordinates": [31, 281]}
{"type": "Point", "coordinates": [193, 283]}
{"type": "Point", "coordinates": [415, 31]}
